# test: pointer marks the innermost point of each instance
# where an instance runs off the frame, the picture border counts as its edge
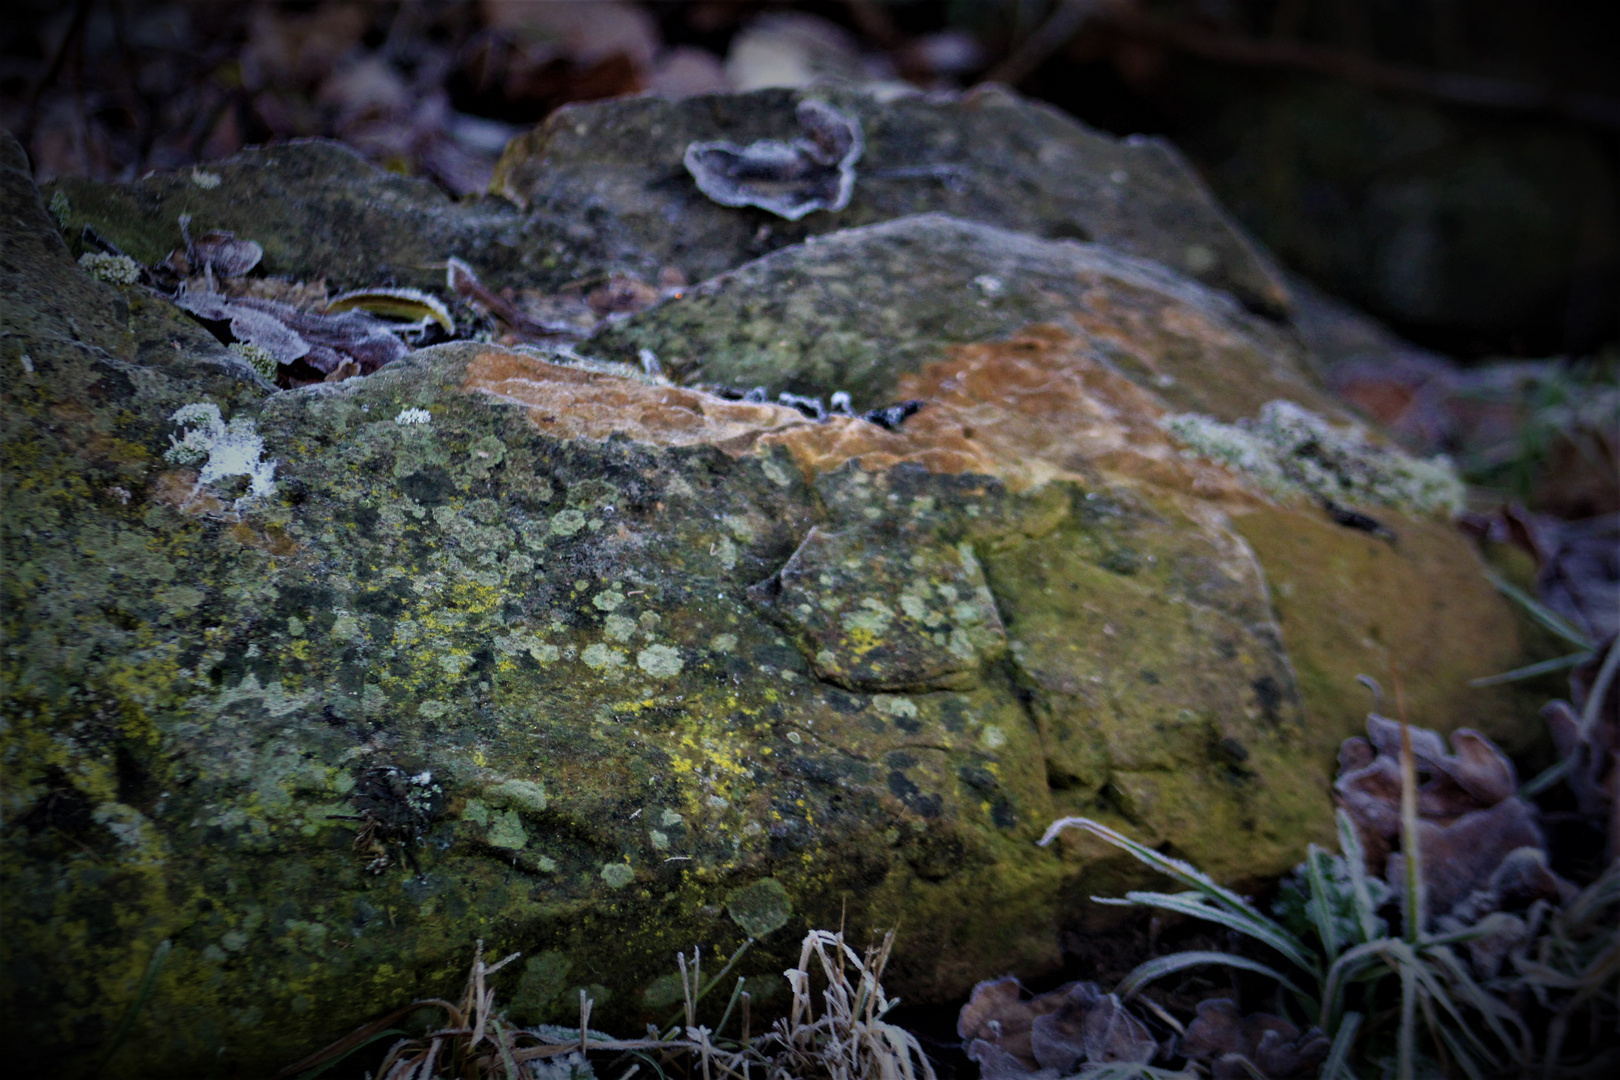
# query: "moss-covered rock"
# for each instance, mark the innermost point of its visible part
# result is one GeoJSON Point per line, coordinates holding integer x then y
{"type": "Point", "coordinates": [306, 691]}
{"type": "Point", "coordinates": [858, 309]}
{"type": "Point", "coordinates": [320, 210]}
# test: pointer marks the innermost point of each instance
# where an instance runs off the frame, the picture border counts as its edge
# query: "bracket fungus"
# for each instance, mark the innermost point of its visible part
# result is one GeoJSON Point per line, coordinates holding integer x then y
{"type": "Point", "coordinates": [790, 179]}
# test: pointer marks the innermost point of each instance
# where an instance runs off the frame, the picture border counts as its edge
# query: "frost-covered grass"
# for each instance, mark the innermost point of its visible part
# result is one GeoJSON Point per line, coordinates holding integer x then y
{"type": "Point", "coordinates": [843, 1036]}
{"type": "Point", "coordinates": [1289, 451]}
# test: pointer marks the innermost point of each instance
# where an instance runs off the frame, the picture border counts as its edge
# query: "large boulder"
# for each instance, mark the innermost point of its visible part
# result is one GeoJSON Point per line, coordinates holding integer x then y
{"type": "Point", "coordinates": [308, 690]}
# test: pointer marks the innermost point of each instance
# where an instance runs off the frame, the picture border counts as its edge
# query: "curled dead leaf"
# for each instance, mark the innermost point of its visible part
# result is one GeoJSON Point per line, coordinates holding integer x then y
{"type": "Point", "coordinates": [1480, 841]}
{"type": "Point", "coordinates": [1231, 1042]}
{"type": "Point", "coordinates": [790, 179]}
{"type": "Point", "coordinates": [1051, 1034]}
{"type": "Point", "coordinates": [323, 347]}
{"type": "Point", "coordinates": [411, 305]}
{"type": "Point", "coordinates": [228, 256]}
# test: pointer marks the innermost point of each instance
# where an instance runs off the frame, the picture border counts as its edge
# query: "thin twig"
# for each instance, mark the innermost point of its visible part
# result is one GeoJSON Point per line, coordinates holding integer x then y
{"type": "Point", "coordinates": [1066, 20]}
{"type": "Point", "coordinates": [1449, 86]}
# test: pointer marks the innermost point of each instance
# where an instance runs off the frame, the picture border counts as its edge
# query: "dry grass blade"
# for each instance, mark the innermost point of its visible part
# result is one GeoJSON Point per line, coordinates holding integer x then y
{"type": "Point", "coordinates": [846, 1038]}
{"type": "Point", "coordinates": [850, 1040]}
{"type": "Point", "coordinates": [363, 1036]}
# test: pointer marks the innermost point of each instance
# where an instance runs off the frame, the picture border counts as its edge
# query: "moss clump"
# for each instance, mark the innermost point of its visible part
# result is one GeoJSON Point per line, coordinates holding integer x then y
{"type": "Point", "coordinates": [257, 356]}
{"type": "Point", "coordinates": [117, 269]}
{"type": "Point", "coordinates": [1290, 451]}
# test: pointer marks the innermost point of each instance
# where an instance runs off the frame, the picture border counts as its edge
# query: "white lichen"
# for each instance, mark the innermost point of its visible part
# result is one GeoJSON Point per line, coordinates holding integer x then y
{"type": "Point", "coordinates": [222, 449]}
{"type": "Point", "coordinates": [205, 180]}
{"type": "Point", "coordinates": [660, 661]}
{"type": "Point", "coordinates": [117, 269]}
{"type": "Point", "coordinates": [413, 416]}
{"type": "Point", "coordinates": [617, 875]}
{"type": "Point", "coordinates": [1289, 451]}
{"type": "Point", "coordinates": [600, 657]}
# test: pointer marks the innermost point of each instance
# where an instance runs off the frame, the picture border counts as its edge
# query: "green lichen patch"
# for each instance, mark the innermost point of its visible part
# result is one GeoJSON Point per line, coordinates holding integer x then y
{"type": "Point", "coordinates": [761, 907]}
{"type": "Point", "coordinates": [872, 617]}
{"type": "Point", "coordinates": [1289, 451]}
{"type": "Point", "coordinates": [857, 310]}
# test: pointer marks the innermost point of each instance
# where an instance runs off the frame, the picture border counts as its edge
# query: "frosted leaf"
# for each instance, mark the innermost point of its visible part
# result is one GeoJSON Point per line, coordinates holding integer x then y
{"type": "Point", "coordinates": [790, 179]}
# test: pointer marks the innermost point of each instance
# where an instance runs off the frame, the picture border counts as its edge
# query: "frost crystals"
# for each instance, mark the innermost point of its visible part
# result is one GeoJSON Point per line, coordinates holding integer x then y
{"type": "Point", "coordinates": [233, 449]}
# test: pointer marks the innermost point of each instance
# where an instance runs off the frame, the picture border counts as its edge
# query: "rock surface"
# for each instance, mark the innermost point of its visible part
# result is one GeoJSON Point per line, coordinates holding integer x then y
{"type": "Point", "coordinates": [859, 309]}
{"type": "Point", "coordinates": [491, 645]}
{"type": "Point", "coordinates": [617, 168]}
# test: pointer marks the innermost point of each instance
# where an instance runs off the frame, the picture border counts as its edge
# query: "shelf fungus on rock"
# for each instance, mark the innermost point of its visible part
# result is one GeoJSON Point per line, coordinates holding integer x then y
{"type": "Point", "coordinates": [872, 620]}
{"type": "Point", "coordinates": [790, 179]}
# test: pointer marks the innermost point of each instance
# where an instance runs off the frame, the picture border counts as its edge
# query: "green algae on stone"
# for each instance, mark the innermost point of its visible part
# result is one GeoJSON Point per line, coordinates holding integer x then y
{"type": "Point", "coordinates": [1349, 603]}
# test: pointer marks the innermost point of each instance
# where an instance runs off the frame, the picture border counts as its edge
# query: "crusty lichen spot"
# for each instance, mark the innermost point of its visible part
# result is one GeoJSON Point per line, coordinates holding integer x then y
{"type": "Point", "coordinates": [566, 523]}
{"type": "Point", "coordinates": [506, 830]}
{"type": "Point", "coordinates": [529, 795]}
{"type": "Point", "coordinates": [617, 874]}
{"type": "Point", "coordinates": [660, 661]}
{"type": "Point", "coordinates": [602, 657]}
{"type": "Point", "coordinates": [761, 907]}
{"type": "Point", "coordinates": [1289, 451]}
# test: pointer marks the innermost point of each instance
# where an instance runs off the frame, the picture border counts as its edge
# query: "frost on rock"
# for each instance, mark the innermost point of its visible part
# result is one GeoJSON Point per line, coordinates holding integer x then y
{"type": "Point", "coordinates": [222, 449]}
{"type": "Point", "coordinates": [1288, 451]}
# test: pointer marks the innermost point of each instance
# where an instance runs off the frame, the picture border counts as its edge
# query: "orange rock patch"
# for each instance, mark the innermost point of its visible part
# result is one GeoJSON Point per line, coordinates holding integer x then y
{"type": "Point", "coordinates": [575, 403]}
{"type": "Point", "coordinates": [1032, 409]}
